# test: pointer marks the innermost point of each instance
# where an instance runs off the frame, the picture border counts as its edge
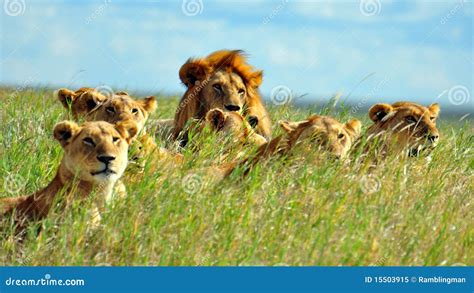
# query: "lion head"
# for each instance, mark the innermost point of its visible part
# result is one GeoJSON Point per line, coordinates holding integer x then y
{"type": "Point", "coordinates": [92, 105]}
{"type": "Point", "coordinates": [94, 152]}
{"type": "Point", "coordinates": [405, 126]}
{"type": "Point", "coordinates": [222, 80]}
{"type": "Point", "coordinates": [81, 102]}
{"type": "Point", "coordinates": [323, 132]}
{"type": "Point", "coordinates": [234, 125]}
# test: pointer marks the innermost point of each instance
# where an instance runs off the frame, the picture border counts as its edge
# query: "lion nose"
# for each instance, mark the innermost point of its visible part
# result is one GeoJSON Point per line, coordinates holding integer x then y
{"type": "Point", "coordinates": [105, 159]}
{"type": "Point", "coordinates": [232, 107]}
{"type": "Point", "coordinates": [433, 137]}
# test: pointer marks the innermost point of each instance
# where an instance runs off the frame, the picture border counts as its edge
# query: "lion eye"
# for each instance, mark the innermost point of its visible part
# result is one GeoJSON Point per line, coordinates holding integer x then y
{"type": "Point", "coordinates": [115, 139]}
{"type": "Point", "coordinates": [134, 111]}
{"type": "Point", "coordinates": [110, 110]}
{"type": "Point", "coordinates": [340, 136]}
{"type": "Point", "coordinates": [217, 87]}
{"type": "Point", "coordinates": [432, 118]}
{"type": "Point", "coordinates": [241, 92]}
{"type": "Point", "coordinates": [88, 141]}
{"type": "Point", "coordinates": [410, 119]}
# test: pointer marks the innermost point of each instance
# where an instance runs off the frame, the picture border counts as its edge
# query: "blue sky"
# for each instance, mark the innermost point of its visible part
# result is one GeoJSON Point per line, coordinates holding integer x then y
{"type": "Point", "coordinates": [371, 50]}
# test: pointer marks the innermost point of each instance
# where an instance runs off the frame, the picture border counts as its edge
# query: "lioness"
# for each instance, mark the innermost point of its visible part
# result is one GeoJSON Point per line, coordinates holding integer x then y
{"type": "Point", "coordinates": [91, 105]}
{"type": "Point", "coordinates": [320, 132]}
{"type": "Point", "coordinates": [234, 125]}
{"type": "Point", "coordinates": [95, 157]}
{"type": "Point", "coordinates": [403, 126]}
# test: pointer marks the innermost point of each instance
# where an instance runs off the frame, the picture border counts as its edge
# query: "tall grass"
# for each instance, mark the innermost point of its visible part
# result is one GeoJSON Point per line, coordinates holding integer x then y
{"type": "Point", "coordinates": [301, 210]}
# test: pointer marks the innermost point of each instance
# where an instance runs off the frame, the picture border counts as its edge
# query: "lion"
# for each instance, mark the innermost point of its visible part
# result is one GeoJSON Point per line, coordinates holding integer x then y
{"type": "Point", "coordinates": [316, 132]}
{"type": "Point", "coordinates": [95, 157]}
{"type": "Point", "coordinates": [404, 126]}
{"type": "Point", "coordinates": [91, 105]}
{"type": "Point", "coordinates": [221, 80]}
{"type": "Point", "coordinates": [235, 126]}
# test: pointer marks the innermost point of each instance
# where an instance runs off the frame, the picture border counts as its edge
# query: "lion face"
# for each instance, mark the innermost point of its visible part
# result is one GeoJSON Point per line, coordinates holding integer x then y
{"type": "Point", "coordinates": [405, 126]}
{"type": "Point", "coordinates": [234, 125]}
{"type": "Point", "coordinates": [95, 152]}
{"type": "Point", "coordinates": [323, 132]}
{"type": "Point", "coordinates": [91, 105]}
{"type": "Point", "coordinates": [225, 90]}
{"type": "Point", "coordinates": [122, 107]}
{"type": "Point", "coordinates": [221, 80]}
{"type": "Point", "coordinates": [82, 102]}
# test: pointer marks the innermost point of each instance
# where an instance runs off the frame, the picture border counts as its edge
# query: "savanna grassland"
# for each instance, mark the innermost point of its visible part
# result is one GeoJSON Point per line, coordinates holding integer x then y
{"type": "Point", "coordinates": [300, 210]}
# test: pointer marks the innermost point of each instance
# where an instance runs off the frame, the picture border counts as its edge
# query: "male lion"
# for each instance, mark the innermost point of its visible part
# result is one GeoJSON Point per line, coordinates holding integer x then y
{"type": "Point", "coordinates": [404, 126]}
{"type": "Point", "coordinates": [320, 132]}
{"type": "Point", "coordinates": [95, 157]}
{"type": "Point", "coordinates": [222, 80]}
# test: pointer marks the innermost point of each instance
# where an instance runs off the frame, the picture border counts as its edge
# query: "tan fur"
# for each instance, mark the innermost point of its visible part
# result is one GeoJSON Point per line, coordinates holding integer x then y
{"type": "Point", "coordinates": [404, 126]}
{"type": "Point", "coordinates": [315, 133]}
{"type": "Point", "coordinates": [119, 107]}
{"type": "Point", "coordinates": [234, 125]}
{"type": "Point", "coordinates": [222, 80]}
{"type": "Point", "coordinates": [81, 170]}
{"type": "Point", "coordinates": [91, 105]}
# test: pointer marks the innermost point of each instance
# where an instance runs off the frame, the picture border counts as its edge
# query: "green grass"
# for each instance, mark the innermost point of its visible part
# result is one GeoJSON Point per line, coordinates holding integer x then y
{"type": "Point", "coordinates": [298, 211]}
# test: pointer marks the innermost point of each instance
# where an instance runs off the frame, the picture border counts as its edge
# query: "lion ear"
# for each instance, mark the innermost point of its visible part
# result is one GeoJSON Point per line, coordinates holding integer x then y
{"type": "Point", "coordinates": [256, 79]}
{"type": "Point", "coordinates": [378, 111]}
{"type": "Point", "coordinates": [149, 104]}
{"type": "Point", "coordinates": [252, 120]}
{"type": "Point", "coordinates": [66, 97]}
{"type": "Point", "coordinates": [216, 117]}
{"type": "Point", "coordinates": [64, 132]}
{"type": "Point", "coordinates": [92, 99]}
{"type": "Point", "coordinates": [128, 130]}
{"type": "Point", "coordinates": [289, 126]}
{"type": "Point", "coordinates": [354, 128]}
{"type": "Point", "coordinates": [434, 109]}
{"type": "Point", "coordinates": [193, 71]}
